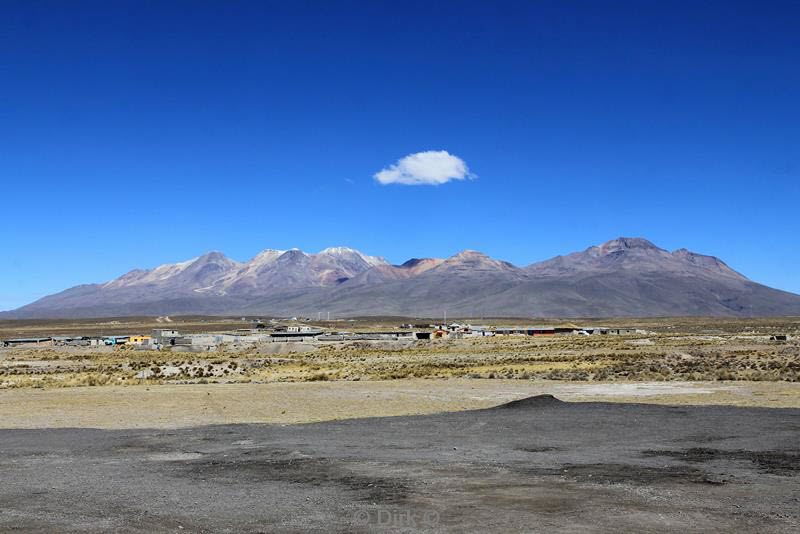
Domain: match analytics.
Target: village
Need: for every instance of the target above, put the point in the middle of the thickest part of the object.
(273, 332)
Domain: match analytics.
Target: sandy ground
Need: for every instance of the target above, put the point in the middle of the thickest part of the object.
(170, 406)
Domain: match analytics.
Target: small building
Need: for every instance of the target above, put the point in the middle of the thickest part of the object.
(295, 336)
(540, 331)
(604, 331)
(331, 337)
(138, 340)
(504, 331)
(75, 341)
(386, 334)
(116, 340)
(27, 341)
(300, 328)
(208, 339)
(480, 332)
(164, 336)
(621, 331)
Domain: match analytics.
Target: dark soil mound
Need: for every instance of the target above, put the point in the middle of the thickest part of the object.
(537, 401)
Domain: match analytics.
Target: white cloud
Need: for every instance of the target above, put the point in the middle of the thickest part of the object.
(433, 167)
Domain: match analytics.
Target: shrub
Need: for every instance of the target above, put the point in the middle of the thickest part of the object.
(318, 377)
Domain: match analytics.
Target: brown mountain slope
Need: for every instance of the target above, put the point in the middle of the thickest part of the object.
(622, 277)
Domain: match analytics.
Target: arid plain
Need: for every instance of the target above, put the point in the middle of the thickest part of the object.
(673, 428)
(674, 361)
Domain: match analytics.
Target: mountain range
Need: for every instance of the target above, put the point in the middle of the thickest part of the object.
(623, 277)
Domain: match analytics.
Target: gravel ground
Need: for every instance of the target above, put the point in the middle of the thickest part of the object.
(538, 465)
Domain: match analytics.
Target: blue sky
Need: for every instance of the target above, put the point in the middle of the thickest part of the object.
(139, 133)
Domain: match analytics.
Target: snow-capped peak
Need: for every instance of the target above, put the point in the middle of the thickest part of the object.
(266, 256)
(339, 250)
(347, 251)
